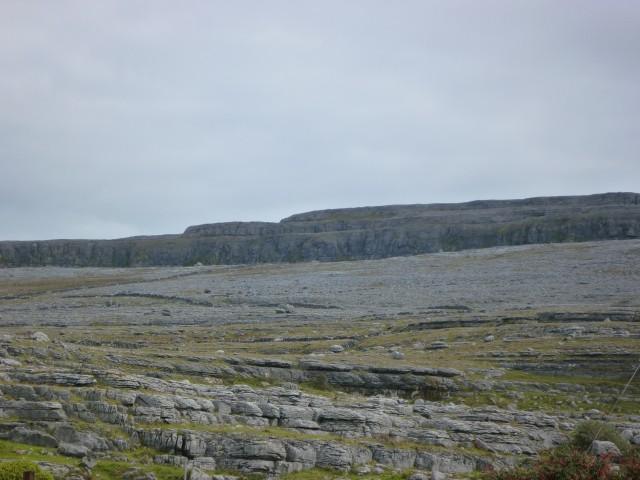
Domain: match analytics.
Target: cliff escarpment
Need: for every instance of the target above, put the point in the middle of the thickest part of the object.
(353, 234)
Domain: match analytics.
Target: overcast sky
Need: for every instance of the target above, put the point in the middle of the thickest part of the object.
(140, 117)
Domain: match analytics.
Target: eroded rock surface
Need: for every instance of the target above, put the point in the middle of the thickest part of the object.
(354, 233)
(447, 363)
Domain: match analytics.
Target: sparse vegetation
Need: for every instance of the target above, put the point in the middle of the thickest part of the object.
(232, 367)
(111, 470)
(587, 432)
(15, 469)
(29, 453)
(571, 463)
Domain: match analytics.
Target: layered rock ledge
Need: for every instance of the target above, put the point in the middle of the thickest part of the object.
(354, 233)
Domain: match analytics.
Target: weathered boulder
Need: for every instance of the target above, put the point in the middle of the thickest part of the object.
(138, 474)
(285, 308)
(196, 474)
(396, 458)
(603, 447)
(301, 452)
(250, 409)
(32, 437)
(42, 411)
(39, 337)
(73, 450)
(255, 449)
(67, 434)
(9, 362)
(334, 455)
(419, 476)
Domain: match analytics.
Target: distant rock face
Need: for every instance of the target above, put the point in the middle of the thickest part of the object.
(354, 233)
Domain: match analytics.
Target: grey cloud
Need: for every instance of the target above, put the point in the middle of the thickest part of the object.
(121, 117)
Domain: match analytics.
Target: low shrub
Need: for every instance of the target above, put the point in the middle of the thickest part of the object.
(586, 432)
(630, 466)
(571, 463)
(16, 469)
(565, 463)
(319, 382)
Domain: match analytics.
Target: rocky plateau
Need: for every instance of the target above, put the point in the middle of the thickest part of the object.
(354, 234)
(429, 366)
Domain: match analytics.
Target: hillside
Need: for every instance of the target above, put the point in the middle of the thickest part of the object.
(409, 368)
(354, 233)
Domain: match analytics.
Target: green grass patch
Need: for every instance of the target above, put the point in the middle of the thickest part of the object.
(20, 451)
(15, 470)
(112, 470)
(519, 375)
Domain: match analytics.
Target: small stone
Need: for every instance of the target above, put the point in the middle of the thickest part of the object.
(621, 333)
(396, 355)
(489, 338)
(285, 308)
(439, 345)
(602, 448)
(419, 476)
(336, 348)
(627, 434)
(198, 474)
(9, 362)
(40, 337)
(137, 474)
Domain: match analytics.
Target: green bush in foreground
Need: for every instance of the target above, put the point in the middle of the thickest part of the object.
(15, 470)
(586, 432)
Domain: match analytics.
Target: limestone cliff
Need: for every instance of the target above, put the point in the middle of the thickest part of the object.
(354, 233)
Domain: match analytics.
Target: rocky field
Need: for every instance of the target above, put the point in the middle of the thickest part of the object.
(430, 366)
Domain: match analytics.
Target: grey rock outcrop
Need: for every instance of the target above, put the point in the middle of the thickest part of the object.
(73, 450)
(354, 233)
(335, 433)
(32, 437)
(37, 411)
